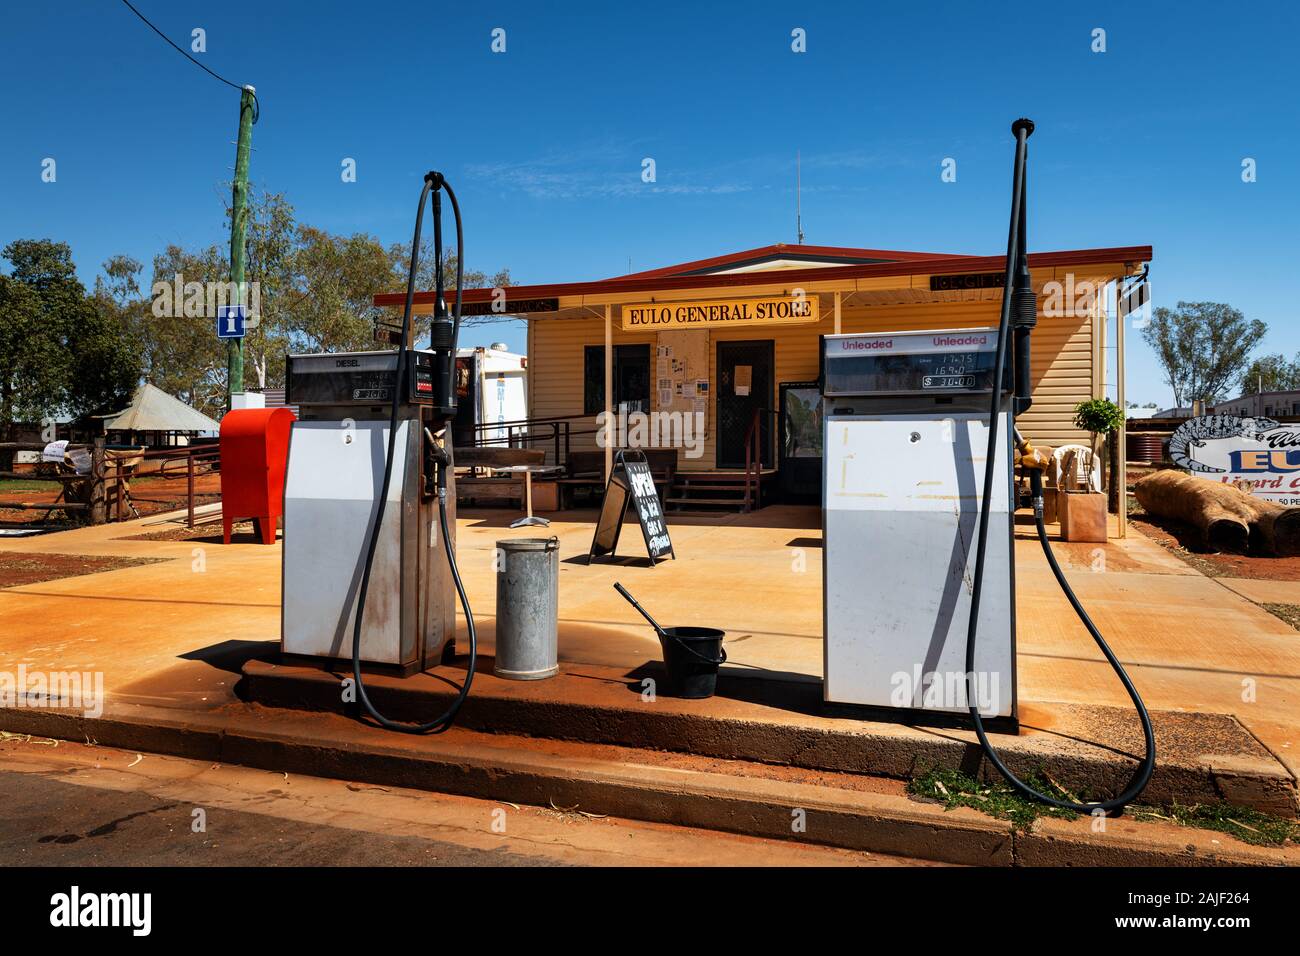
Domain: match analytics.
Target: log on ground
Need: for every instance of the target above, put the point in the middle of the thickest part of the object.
(1228, 518)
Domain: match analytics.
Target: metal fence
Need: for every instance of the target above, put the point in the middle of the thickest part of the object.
(103, 494)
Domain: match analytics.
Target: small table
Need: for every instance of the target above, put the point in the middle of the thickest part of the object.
(529, 519)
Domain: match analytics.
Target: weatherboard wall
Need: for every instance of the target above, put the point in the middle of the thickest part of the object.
(1064, 368)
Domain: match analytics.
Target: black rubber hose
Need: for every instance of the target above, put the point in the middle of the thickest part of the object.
(444, 720)
(1142, 775)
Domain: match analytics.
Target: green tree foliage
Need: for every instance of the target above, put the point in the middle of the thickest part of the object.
(1271, 373)
(335, 281)
(1098, 416)
(62, 351)
(181, 353)
(1204, 348)
(270, 262)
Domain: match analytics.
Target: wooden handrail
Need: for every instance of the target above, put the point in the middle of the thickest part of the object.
(753, 450)
(556, 429)
(754, 458)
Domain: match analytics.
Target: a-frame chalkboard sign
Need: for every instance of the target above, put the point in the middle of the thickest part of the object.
(630, 480)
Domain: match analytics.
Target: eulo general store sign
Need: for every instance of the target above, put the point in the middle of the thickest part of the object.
(1258, 454)
(711, 313)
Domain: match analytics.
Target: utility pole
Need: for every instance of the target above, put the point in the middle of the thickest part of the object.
(238, 237)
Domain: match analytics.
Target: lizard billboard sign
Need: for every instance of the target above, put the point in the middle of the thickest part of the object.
(1258, 454)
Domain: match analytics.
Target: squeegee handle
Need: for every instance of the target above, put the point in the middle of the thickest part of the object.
(632, 601)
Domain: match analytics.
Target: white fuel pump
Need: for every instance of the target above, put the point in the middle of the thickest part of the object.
(905, 431)
(919, 509)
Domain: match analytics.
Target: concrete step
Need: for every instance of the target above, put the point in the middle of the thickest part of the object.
(709, 485)
(843, 810)
(716, 502)
(784, 722)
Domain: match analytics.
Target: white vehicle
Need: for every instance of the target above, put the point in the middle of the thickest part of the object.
(491, 389)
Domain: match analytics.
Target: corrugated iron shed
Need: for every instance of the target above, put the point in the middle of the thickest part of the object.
(153, 410)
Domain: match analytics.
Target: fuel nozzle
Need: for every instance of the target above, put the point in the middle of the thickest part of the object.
(437, 463)
(1032, 462)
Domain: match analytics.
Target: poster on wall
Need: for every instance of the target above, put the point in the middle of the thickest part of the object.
(1259, 455)
(682, 369)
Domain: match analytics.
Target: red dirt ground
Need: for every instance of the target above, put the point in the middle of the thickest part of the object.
(208, 533)
(18, 568)
(1183, 540)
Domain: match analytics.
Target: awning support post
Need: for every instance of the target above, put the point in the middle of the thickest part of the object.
(609, 391)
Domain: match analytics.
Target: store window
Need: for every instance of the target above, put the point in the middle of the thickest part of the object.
(631, 378)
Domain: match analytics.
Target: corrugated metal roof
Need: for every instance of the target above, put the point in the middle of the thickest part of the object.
(153, 410)
(274, 398)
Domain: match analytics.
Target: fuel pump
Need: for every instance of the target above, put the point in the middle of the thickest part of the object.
(349, 461)
(920, 448)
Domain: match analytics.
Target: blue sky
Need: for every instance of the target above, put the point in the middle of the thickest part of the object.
(544, 143)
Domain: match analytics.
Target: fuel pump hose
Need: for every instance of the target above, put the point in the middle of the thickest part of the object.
(1017, 289)
(433, 181)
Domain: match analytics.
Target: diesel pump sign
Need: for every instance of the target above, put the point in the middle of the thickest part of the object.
(711, 313)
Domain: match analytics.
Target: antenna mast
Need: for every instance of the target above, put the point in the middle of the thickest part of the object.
(798, 208)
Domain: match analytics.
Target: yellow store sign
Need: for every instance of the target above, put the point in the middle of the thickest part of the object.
(711, 313)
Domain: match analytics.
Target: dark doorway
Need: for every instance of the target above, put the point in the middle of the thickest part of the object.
(738, 362)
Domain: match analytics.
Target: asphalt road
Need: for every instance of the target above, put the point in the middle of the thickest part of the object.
(52, 823)
(80, 805)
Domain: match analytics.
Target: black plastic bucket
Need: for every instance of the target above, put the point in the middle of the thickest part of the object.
(691, 657)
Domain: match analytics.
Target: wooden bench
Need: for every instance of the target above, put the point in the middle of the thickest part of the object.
(586, 470)
(507, 487)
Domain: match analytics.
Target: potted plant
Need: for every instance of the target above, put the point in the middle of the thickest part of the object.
(1083, 515)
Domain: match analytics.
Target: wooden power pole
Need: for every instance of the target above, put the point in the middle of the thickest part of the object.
(238, 238)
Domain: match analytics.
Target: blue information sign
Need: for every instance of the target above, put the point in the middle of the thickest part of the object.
(230, 321)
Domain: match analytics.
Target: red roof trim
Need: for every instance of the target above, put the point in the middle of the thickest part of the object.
(787, 277)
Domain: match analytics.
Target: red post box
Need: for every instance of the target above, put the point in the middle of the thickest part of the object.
(254, 452)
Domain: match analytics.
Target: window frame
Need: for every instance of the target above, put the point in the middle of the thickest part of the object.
(593, 387)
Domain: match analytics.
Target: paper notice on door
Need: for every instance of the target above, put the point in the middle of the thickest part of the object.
(744, 379)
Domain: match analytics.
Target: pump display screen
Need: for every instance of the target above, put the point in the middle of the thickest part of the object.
(360, 378)
(911, 363)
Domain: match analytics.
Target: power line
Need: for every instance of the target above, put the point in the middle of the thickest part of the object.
(257, 106)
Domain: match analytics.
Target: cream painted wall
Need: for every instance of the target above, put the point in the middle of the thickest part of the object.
(1063, 369)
